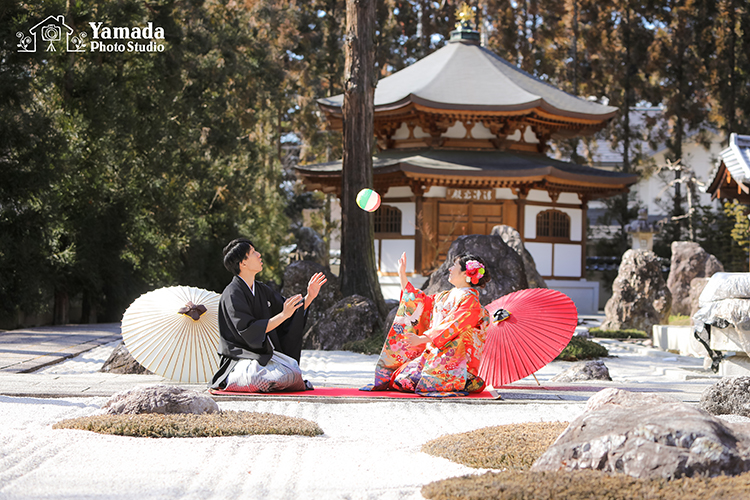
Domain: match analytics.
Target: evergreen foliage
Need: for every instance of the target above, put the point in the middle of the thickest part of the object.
(124, 172)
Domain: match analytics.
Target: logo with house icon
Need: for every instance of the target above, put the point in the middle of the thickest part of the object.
(51, 35)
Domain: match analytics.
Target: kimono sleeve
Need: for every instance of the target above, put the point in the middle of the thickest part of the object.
(463, 317)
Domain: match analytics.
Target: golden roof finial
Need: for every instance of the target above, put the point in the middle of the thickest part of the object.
(465, 14)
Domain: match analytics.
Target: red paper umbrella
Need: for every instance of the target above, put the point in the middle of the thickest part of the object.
(528, 329)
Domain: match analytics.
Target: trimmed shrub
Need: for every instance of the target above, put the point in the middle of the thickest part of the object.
(618, 334)
(580, 348)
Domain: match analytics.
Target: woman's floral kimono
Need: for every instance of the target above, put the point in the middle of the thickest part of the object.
(443, 361)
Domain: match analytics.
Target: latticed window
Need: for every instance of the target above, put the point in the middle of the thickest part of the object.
(388, 220)
(553, 223)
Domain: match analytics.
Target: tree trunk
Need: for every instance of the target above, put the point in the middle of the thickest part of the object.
(358, 269)
(61, 310)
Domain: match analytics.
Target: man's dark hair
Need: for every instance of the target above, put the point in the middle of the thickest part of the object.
(235, 252)
(463, 259)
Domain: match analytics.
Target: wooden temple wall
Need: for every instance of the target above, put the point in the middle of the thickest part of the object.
(425, 227)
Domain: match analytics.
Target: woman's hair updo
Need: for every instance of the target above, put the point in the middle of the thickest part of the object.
(476, 270)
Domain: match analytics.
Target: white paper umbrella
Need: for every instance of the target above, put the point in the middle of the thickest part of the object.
(174, 332)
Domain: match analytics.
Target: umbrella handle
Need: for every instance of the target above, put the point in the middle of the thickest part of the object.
(537, 380)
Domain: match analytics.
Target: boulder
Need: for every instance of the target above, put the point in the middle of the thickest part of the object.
(504, 264)
(582, 371)
(728, 396)
(160, 399)
(310, 246)
(512, 238)
(298, 274)
(351, 318)
(689, 261)
(122, 362)
(647, 436)
(640, 297)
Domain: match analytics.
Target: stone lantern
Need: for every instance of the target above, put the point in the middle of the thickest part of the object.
(642, 231)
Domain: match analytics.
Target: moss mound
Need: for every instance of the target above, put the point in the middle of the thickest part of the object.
(679, 320)
(512, 447)
(370, 345)
(580, 348)
(618, 334)
(226, 423)
(584, 485)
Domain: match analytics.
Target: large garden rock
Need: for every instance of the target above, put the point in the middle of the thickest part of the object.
(582, 371)
(122, 362)
(689, 261)
(311, 246)
(696, 288)
(512, 238)
(729, 396)
(296, 277)
(504, 264)
(640, 297)
(352, 318)
(160, 399)
(647, 436)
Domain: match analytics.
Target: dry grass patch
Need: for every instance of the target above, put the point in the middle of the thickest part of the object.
(225, 423)
(512, 447)
(584, 485)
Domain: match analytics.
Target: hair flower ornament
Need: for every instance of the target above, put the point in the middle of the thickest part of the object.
(474, 271)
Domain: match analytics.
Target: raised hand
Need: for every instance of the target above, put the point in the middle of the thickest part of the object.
(313, 287)
(402, 271)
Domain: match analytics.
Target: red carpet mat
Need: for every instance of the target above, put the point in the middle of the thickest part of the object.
(349, 392)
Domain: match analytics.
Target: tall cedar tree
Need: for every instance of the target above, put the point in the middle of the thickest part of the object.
(730, 67)
(680, 77)
(358, 268)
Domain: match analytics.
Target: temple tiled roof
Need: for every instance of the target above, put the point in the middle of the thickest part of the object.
(465, 76)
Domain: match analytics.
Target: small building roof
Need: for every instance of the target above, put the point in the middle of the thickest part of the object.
(731, 177)
(467, 77)
(475, 169)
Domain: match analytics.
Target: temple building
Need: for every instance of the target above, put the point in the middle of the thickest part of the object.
(461, 138)
(730, 179)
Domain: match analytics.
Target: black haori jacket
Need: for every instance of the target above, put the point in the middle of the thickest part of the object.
(243, 318)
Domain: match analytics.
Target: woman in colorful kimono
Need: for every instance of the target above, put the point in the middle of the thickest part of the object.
(435, 344)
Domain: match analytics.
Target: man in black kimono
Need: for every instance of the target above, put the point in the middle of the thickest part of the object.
(254, 320)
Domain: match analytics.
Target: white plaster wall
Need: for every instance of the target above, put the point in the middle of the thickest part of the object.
(528, 135)
(539, 195)
(391, 252)
(398, 192)
(419, 133)
(436, 192)
(542, 253)
(408, 217)
(402, 132)
(567, 260)
(504, 194)
(481, 132)
(576, 221)
(569, 198)
(391, 285)
(457, 131)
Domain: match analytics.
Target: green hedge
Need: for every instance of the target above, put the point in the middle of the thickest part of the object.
(618, 334)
